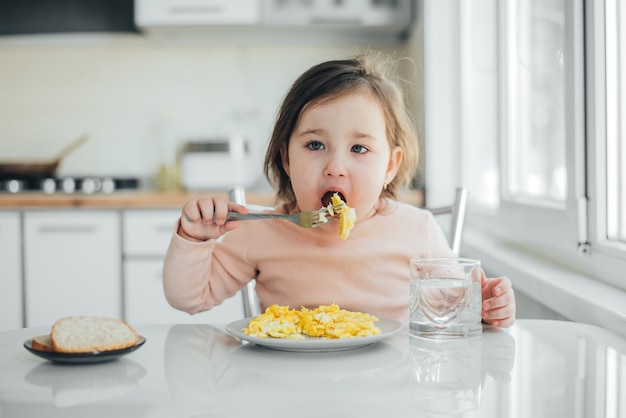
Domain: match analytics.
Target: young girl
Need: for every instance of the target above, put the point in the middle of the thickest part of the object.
(342, 128)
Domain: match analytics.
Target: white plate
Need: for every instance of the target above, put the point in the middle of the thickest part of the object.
(388, 327)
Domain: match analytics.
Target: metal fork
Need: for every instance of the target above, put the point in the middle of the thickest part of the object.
(308, 219)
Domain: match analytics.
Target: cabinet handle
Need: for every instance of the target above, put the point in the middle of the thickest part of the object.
(165, 228)
(74, 229)
(215, 9)
(339, 21)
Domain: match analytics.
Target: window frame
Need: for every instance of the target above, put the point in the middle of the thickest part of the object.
(579, 227)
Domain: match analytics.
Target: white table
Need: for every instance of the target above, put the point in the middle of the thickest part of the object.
(535, 369)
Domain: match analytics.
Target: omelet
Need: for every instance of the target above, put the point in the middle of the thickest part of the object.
(347, 215)
(326, 321)
(277, 321)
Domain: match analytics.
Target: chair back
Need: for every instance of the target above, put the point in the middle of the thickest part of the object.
(251, 303)
(457, 218)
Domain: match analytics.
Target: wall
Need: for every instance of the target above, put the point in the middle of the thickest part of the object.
(442, 114)
(127, 92)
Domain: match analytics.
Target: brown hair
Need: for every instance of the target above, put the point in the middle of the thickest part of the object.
(367, 72)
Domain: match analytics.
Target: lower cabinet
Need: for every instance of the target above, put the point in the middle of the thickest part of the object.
(146, 303)
(91, 262)
(11, 309)
(72, 264)
(147, 234)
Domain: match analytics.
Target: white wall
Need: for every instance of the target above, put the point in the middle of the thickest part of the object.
(441, 83)
(118, 89)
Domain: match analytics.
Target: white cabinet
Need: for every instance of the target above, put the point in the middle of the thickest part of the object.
(147, 234)
(276, 20)
(196, 12)
(11, 315)
(372, 13)
(72, 264)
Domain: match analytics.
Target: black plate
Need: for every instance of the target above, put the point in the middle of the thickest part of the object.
(83, 358)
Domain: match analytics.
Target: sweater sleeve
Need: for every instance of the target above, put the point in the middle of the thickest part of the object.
(195, 279)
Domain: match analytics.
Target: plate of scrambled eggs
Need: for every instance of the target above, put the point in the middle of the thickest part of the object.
(326, 328)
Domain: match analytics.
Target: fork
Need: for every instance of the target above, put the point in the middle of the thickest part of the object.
(307, 219)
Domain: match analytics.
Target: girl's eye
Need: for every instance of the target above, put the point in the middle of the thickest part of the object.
(359, 149)
(315, 145)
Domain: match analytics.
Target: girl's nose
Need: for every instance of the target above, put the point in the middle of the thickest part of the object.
(335, 165)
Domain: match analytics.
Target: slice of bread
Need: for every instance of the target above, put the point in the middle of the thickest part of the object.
(42, 343)
(85, 334)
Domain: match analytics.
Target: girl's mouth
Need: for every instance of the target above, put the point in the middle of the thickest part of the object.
(326, 199)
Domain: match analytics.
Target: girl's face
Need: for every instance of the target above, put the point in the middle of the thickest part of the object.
(341, 146)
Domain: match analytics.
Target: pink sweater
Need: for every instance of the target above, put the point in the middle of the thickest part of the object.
(294, 266)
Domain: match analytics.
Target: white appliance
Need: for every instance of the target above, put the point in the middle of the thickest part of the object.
(217, 164)
(155, 13)
(270, 19)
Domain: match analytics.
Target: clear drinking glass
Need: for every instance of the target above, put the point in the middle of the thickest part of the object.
(445, 297)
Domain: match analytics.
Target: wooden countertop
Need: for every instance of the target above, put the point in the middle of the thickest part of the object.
(135, 199)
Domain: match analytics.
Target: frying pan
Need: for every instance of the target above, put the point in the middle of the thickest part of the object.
(38, 169)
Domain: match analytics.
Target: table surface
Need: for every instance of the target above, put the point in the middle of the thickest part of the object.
(535, 369)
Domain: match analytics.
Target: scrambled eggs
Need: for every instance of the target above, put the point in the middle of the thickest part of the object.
(325, 321)
(347, 215)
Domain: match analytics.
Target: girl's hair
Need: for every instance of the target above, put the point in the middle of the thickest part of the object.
(370, 72)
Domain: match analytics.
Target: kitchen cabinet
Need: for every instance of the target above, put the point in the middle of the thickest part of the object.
(11, 309)
(147, 234)
(65, 16)
(346, 12)
(196, 12)
(72, 264)
(272, 20)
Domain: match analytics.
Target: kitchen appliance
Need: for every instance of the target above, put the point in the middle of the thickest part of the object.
(272, 17)
(17, 169)
(29, 177)
(217, 164)
(35, 183)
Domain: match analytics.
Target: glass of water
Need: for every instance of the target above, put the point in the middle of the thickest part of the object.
(445, 297)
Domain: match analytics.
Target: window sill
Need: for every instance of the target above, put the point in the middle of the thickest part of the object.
(569, 293)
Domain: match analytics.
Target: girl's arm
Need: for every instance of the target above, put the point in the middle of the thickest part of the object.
(192, 280)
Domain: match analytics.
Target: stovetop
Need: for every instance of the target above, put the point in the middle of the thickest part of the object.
(67, 184)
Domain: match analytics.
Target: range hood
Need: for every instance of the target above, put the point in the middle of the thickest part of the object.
(274, 19)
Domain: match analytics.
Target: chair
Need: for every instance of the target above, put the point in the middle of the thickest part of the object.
(251, 304)
(457, 218)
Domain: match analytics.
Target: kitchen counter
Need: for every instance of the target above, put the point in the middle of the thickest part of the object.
(126, 199)
(139, 199)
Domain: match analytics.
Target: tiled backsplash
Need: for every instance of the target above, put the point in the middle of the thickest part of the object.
(128, 93)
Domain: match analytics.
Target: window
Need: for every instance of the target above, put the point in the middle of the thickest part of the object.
(615, 23)
(534, 83)
(544, 131)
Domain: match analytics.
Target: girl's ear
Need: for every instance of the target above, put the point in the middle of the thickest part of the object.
(284, 156)
(395, 158)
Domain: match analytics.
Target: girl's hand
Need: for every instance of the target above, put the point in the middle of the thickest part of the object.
(498, 301)
(196, 221)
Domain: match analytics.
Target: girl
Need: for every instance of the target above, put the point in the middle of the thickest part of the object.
(342, 128)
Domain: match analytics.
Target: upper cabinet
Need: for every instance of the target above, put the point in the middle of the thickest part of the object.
(270, 19)
(372, 13)
(216, 20)
(27, 17)
(150, 13)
